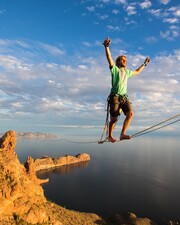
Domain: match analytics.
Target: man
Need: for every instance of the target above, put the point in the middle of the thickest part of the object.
(118, 98)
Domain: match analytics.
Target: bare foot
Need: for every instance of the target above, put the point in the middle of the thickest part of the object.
(124, 137)
(111, 139)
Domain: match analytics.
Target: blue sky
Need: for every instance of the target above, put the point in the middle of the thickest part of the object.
(53, 70)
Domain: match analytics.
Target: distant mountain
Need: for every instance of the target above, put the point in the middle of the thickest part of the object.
(32, 135)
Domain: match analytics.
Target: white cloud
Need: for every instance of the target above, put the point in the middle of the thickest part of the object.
(146, 4)
(121, 2)
(177, 13)
(118, 41)
(170, 34)
(103, 17)
(11, 63)
(83, 67)
(91, 8)
(156, 12)
(113, 28)
(131, 10)
(52, 49)
(165, 2)
(115, 11)
(175, 10)
(169, 15)
(87, 44)
(64, 93)
(151, 40)
(170, 20)
(173, 81)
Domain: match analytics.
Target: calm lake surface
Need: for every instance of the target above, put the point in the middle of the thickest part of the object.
(141, 175)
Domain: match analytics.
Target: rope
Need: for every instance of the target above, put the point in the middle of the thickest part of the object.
(145, 131)
(77, 142)
(149, 128)
(142, 133)
(106, 127)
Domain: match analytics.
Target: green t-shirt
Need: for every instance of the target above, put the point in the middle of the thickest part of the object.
(119, 80)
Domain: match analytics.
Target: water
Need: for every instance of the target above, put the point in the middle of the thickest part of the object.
(140, 176)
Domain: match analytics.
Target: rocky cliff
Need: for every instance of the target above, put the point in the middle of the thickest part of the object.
(22, 199)
(47, 162)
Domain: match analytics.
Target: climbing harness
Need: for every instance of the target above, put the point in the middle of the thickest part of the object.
(116, 99)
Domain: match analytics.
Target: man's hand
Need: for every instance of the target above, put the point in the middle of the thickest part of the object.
(106, 42)
(147, 60)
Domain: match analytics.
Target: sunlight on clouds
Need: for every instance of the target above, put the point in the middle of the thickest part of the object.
(49, 104)
(23, 68)
(81, 88)
(173, 81)
(52, 65)
(60, 74)
(17, 105)
(177, 13)
(82, 67)
(10, 62)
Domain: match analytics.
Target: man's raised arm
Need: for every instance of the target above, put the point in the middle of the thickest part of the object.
(138, 70)
(106, 44)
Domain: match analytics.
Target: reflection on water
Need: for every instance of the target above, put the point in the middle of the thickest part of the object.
(61, 170)
(141, 176)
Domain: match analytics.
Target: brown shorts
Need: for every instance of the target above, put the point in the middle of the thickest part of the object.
(117, 103)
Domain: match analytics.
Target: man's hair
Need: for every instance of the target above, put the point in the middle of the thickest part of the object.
(117, 60)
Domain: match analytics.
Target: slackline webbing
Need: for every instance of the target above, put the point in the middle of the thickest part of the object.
(142, 132)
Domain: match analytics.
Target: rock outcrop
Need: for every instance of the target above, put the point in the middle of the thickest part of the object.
(22, 199)
(33, 165)
(48, 162)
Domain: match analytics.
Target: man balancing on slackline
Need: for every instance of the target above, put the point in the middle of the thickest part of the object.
(118, 98)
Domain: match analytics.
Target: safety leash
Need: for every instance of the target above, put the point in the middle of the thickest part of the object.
(106, 126)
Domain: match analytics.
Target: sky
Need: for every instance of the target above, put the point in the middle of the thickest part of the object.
(54, 74)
